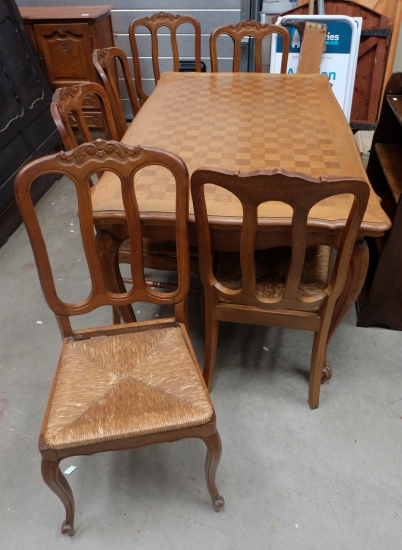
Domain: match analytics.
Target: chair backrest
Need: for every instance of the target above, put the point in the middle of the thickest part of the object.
(67, 109)
(153, 23)
(301, 193)
(105, 64)
(254, 29)
(80, 165)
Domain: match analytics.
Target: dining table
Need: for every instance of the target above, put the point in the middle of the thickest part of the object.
(246, 122)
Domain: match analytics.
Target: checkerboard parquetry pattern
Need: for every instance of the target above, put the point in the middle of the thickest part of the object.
(241, 122)
(249, 127)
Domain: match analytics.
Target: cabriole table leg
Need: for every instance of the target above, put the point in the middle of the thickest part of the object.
(356, 276)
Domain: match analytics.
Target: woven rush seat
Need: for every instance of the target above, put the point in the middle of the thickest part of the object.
(113, 387)
(271, 266)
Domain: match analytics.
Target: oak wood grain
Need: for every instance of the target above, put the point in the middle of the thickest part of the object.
(243, 121)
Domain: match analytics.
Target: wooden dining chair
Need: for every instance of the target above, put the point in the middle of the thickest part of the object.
(105, 63)
(71, 119)
(263, 284)
(256, 30)
(123, 386)
(67, 110)
(153, 24)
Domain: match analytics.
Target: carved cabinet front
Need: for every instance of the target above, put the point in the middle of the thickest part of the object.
(64, 52)
(64, 38)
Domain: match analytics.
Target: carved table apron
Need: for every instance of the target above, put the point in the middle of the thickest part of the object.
(244, 121)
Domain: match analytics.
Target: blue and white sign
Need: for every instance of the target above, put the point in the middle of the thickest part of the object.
(339, 59)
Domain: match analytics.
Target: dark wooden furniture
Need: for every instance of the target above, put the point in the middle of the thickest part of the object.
(123, 386)
(380, 302)
(26, 127)
(105, 62)
(291, 287)
(371, 63)
(64, 37)
(247, 122)
(251, 28)
(153, 24)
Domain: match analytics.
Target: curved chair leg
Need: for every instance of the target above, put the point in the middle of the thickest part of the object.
(55, 480)
(214, 452)
(356, 276)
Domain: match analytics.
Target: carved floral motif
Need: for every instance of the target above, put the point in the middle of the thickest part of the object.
(163, 16)
(64, 45)
(248, 24)
(94, 120)
(99, 149)
(102, 56)
(68, 91)
(62, 30)
(90, 100)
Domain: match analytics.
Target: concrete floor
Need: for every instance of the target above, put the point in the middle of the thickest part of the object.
(292, 478)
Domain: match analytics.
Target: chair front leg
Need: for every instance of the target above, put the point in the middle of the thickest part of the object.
(55, 480)
(214, 452)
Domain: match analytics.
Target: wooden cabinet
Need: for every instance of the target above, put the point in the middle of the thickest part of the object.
(381, 298)
(64, 38)
(27, 130)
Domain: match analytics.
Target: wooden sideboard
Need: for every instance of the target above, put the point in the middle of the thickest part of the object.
(64, 38)
(381, 297)
(27, 130)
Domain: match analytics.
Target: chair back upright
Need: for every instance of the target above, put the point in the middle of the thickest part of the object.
(80, 165)
(301, 193)
(253, 29)
(153, 24)
(105, 64)
(67, 110)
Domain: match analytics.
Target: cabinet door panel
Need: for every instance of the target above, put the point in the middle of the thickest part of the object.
(66, 51)
(9, 98)
(22, 93)
(18, 66)
(12, 157)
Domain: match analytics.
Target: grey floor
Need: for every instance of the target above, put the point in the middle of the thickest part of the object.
(292, 478)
